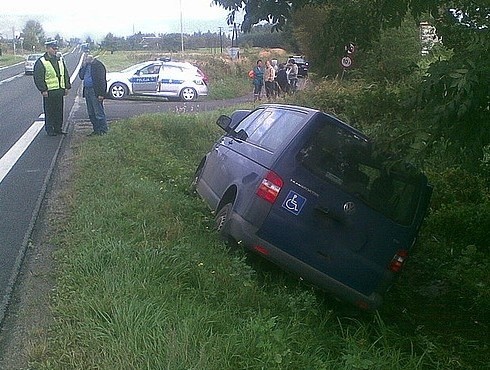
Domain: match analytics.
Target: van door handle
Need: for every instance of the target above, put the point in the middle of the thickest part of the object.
(326, 212)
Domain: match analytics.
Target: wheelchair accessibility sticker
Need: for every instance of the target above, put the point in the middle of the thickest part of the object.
(294, 202)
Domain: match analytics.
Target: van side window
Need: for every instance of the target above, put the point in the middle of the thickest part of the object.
(268, 128)
(275, 128)
(249, 123)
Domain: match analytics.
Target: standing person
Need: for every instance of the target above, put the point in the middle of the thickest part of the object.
(282, 79)
(93, 75)
(52, 79)
(293, 74)
(269, 78)
(258, 80)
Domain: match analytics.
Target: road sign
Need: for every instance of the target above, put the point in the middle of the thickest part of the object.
(346, 62)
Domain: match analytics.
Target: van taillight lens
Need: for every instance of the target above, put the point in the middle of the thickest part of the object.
(270, 187)
(262, 250)
(398, 260)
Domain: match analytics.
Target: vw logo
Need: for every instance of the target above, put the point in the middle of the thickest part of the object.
(349, 208)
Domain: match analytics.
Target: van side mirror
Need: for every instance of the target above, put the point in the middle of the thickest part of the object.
(224, 122)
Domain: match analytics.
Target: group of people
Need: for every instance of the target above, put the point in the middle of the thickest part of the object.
(278, 79)
(52, 79)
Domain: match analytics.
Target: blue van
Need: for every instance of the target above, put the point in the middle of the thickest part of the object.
(312, 194)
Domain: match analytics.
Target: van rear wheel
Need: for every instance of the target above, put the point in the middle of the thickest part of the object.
(222, 221)
(223, 218)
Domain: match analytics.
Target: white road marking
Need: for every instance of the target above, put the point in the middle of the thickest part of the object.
(11, 78)
(14, 153)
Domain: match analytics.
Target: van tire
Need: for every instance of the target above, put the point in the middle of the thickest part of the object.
(197, 175)
(222, 221)
(223, 218)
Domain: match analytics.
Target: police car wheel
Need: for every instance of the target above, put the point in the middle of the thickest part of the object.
(118, 91)
(188, 94)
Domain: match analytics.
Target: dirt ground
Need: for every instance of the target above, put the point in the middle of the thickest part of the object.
(24, 331)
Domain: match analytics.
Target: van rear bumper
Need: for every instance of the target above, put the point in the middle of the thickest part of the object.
(245, 232)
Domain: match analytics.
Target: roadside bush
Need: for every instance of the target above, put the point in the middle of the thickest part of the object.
(382, 111)
(462, 225)
(331, 96)
(457, 186)
(454, 245)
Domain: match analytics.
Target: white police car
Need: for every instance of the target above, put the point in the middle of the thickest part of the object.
(29, 63)
(170, 79)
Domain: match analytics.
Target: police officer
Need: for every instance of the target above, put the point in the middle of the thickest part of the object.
(53, 81)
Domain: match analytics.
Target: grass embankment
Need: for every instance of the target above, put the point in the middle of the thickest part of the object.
(9, 59)
(145, 282)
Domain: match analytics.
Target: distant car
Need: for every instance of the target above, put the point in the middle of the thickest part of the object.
(313, 195)
(302, 64)
(170, 79)
(29, 63)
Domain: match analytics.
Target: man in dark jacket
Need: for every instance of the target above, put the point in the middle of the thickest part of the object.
(52, 79)
(93, 74)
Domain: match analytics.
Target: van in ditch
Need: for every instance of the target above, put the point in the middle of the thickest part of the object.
(311, 194)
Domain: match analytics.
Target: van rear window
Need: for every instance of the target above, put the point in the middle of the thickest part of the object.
(340, 156)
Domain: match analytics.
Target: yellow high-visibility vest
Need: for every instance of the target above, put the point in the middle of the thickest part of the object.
(52, 80)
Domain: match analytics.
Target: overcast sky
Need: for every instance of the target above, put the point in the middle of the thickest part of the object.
(96, 18)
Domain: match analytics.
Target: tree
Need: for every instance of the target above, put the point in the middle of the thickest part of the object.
(455, 94)
(33, 35)
(261, 36)
(112, 43)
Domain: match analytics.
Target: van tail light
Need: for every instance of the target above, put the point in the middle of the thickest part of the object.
(270, 187)
(260, 249)
(398, 260)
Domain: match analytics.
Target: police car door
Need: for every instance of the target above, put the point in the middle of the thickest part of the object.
(145, 80)
(170, 79)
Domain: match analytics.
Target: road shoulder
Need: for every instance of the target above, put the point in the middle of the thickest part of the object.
(24, 332)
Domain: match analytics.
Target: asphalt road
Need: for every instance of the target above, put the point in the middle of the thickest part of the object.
(28, 156)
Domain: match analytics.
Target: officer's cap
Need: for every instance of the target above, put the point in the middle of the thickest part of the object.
(51, 43)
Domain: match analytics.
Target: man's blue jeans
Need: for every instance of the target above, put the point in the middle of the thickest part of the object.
(95, 109)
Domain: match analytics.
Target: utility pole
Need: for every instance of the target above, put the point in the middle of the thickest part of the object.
(221, 39)
(13, 38)
(181, 31)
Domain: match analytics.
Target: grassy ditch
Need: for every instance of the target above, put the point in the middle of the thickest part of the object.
(145, 283)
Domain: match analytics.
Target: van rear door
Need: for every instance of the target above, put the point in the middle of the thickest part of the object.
(341, 210)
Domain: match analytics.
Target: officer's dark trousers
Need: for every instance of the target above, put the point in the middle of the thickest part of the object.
(53, 111)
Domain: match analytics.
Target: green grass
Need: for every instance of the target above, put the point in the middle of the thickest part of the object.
(145, 283)
(9, 59)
